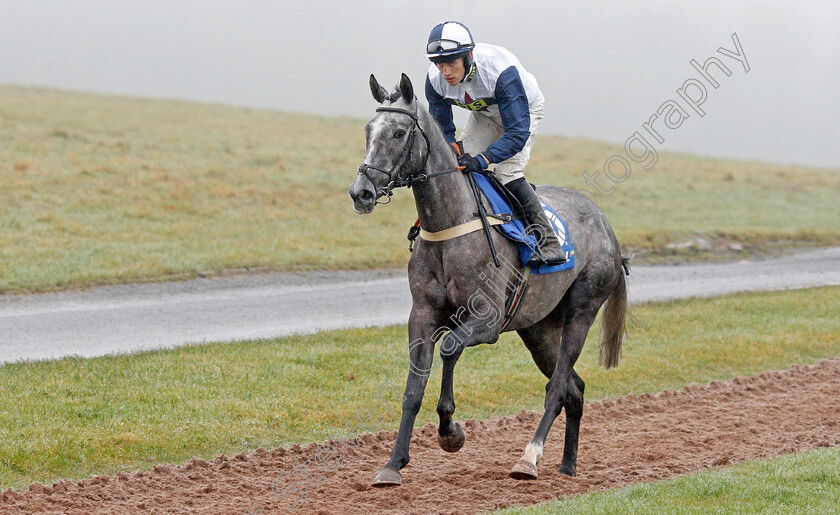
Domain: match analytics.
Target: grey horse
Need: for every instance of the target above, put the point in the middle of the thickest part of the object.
(459, 294)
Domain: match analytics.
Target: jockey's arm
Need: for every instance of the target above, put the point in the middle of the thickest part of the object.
(516, 118)
(441, 112)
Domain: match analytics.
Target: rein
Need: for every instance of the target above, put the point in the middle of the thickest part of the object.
(395, 178)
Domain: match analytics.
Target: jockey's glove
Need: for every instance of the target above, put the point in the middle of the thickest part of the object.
(473, 164)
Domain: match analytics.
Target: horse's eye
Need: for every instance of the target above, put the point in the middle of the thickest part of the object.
(399, 134)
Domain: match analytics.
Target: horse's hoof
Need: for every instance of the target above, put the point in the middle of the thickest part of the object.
(453, 442)
(568, 470)
(387, 477)
(523, 470)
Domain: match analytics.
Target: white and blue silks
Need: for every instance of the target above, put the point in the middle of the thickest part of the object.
(497, 86)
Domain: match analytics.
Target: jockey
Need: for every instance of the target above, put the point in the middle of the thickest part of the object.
(506, 107)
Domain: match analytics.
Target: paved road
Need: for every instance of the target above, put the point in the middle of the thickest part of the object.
(136, 317)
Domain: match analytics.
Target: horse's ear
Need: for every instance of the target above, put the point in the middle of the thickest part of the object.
(406, 89)
(379, 93)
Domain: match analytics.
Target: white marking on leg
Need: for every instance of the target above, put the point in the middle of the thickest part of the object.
(533, 453)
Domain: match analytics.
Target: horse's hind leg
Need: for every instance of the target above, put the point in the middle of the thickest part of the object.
(526, 467)
(578, 309)
(543, 340)
(574, 412)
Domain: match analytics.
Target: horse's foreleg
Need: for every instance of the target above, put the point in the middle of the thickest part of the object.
(474, 331)
(420, 357)
(451, 436)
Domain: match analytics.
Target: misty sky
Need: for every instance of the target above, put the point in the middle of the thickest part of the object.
(604, 67)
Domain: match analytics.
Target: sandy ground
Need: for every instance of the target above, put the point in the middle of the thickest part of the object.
(623, 441)
(135, 317)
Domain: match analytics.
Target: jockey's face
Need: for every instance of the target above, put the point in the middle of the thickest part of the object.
(453, 72)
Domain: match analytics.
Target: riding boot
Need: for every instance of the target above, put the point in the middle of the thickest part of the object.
(549, 251)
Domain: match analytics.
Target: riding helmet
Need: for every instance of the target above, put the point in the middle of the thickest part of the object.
(448, 41)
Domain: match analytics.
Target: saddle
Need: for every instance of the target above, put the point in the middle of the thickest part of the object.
(502, 203)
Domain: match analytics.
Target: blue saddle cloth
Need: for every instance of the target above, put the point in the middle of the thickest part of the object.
(515, 229)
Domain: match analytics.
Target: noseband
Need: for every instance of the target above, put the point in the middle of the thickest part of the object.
(395, 177)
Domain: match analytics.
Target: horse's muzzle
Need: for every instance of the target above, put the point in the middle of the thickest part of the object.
(364, 198)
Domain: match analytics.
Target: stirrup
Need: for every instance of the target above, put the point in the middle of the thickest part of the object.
(538, 262)
(538, 259)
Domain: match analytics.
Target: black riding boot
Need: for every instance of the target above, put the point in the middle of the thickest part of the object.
(549, 251)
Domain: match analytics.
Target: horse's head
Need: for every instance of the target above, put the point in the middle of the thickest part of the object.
(393, 152)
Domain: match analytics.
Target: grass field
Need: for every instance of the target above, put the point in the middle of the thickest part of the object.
(76, 417)
(104, 189)
(806, 483)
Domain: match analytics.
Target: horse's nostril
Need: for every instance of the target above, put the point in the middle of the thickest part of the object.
(366, 196)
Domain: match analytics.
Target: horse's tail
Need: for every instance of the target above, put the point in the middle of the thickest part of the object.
(613, 319)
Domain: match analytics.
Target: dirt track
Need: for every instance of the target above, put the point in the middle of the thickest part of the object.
(623, 441)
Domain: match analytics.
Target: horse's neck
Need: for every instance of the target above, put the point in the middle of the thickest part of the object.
(443, 201)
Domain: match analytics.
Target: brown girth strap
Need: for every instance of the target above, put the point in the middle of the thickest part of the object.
(514, 301)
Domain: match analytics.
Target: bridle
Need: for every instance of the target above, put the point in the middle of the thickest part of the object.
(395, 177)
(397, 180)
